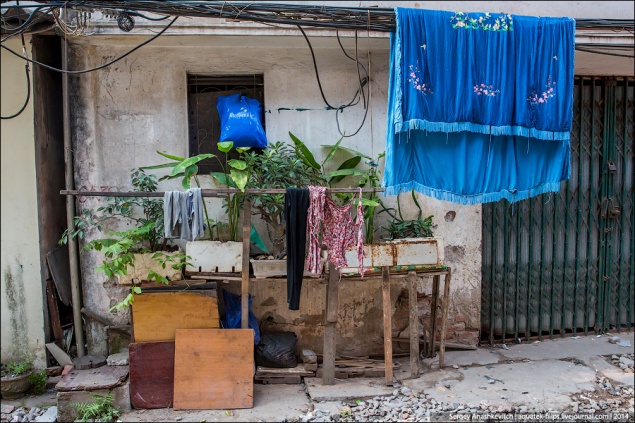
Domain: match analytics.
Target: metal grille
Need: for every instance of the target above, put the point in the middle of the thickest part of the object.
(563, 263)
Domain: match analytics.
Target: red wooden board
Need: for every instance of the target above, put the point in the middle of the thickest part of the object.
(152, 374)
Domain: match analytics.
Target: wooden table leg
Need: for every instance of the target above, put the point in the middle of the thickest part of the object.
(330, 324)
(414, 325)
(244, 289)
(444, 317)
(433, 315)
(385, 272)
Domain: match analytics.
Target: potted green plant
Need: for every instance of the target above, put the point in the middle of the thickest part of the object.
(213, 254)
(278, 166)
(15, 379)
(405, 243)
(145, 245)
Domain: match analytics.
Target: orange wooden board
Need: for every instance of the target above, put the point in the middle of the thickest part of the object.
(157, 315)
(214, 369)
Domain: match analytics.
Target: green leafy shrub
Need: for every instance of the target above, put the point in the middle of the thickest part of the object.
(38, 382)
(278, 166)
(398, 228)
(101, 409)
(144, 213)
(17, 368)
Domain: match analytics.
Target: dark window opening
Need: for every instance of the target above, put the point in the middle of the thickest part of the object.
(203, 119)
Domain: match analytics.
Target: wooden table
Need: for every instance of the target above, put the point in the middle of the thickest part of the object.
(330, 320)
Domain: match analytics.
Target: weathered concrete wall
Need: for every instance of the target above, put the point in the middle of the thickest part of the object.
(122, 114)
(21, 287)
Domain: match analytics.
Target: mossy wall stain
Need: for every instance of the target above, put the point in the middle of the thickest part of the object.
(14, 296)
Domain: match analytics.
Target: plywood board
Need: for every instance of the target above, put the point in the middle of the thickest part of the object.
(152, 374)
(157, 315)
(300, 370)
(214, 369)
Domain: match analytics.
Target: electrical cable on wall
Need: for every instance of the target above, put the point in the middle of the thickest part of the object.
(28, 82)
(358, 94)
(154, 37)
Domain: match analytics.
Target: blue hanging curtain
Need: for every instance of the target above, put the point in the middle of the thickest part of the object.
(479, 106)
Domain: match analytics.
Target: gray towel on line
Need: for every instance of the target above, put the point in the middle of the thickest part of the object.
(195, 199)
(183, 214)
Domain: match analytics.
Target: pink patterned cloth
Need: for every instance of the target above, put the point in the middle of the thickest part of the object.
(340, 231)
(315, 216)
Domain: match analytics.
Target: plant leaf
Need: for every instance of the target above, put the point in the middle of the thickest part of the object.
(348, 164)
(225, 146)
(332, 152)
(345, 172)
(185, 182)
(189, 162)
(237, 164)
(224, 179)
(240, 178)
(242, 149)
(171, 157)
(161, 166)
(414, 198)
(371, 203)
(350, 150)
(304, 153)
(178, 175)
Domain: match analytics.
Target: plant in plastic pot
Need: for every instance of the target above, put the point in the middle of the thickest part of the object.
(141, 253)
(277, 167)
(15, 380)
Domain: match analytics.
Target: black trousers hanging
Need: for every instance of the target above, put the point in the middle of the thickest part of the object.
(296, 206)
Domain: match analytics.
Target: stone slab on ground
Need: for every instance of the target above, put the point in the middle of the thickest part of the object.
(559, 348)
(479, 357)
(606, 369)
(7, 408)
(66, 411)
(49, 416)
(104, 377)
(347, 389)
(44, 400)
(119, 359)
(546, 382)
(272, 403)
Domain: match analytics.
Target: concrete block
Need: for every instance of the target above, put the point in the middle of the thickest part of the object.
(119, 359)
(52, 381)
(49, 415)
(66, 401)
(119, 337)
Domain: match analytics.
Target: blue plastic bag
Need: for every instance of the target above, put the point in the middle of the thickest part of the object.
(240, 121)
(233, 314)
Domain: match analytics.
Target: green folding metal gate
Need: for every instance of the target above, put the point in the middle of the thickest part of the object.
(564, 263)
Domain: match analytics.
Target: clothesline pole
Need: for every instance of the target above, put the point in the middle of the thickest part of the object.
(216, 192)
(244, 316)
(330, 325)
(385, 272)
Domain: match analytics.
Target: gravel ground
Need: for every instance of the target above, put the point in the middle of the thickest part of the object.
(623, 361)
(406, 405)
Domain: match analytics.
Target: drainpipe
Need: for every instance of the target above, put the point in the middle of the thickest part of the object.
(70, 209)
